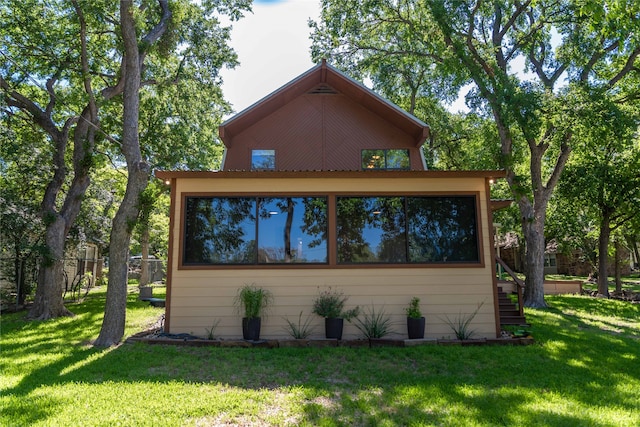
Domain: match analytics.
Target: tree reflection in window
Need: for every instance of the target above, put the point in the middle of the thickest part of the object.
(385, 159)
(292, 230)
(220, 230)
(406, 229)
(223, 230)
(371, 229)
(442, 229)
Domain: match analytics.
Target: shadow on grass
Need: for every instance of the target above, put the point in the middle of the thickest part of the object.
(574, 367)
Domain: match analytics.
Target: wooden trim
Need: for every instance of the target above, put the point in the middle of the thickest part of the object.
(331, 232)
(172, 206)
(365, 174)
(494, 277)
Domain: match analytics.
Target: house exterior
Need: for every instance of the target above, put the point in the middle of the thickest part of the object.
(323, 185)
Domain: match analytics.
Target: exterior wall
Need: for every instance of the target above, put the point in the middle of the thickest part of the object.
(198, 298)
(319, 132)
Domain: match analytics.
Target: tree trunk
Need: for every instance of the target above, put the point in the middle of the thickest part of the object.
(603, 250)
(139, 171)
(20, 262)
(144, 262)
(48, 301)
(533, 229)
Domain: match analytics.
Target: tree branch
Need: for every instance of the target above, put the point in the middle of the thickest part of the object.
(584, 75)
(630, 65)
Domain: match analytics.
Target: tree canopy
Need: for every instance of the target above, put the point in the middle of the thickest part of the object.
(63, 75)
(522, 60)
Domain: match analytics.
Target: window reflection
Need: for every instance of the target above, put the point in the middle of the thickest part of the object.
(371, 229)
(220, 230)
(442, 229)
(385, 159)
(223, 230)
(263, 159)
(407, 229)
(292, 229)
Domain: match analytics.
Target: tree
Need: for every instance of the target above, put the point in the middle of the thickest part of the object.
(603, 176)
(20, 224)
(39, 84)
(490, 44)
(158, 24)
(64, 66)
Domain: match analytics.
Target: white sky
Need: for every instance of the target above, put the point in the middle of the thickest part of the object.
(273, 47)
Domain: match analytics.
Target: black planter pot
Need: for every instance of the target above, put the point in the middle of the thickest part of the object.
(333, 327)
(415, 328)
(251, 328)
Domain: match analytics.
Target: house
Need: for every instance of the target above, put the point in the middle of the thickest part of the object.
(323, 184)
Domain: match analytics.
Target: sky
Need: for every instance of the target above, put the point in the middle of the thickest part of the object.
(273, 48)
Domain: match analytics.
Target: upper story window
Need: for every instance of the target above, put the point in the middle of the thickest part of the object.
(263, 159)
(385, 159)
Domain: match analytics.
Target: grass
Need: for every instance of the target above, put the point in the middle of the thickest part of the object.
(584, 370)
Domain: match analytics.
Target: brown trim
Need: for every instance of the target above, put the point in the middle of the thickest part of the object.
(367, 174)
(494, 277)
(500, 204)
(331, 232)
(172, 206)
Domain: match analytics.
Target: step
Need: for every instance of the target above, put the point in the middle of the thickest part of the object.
(513, 320)
(509, 313)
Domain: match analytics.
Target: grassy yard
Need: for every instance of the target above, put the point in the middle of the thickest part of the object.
(584, 370)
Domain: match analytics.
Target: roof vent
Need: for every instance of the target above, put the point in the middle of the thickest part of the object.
(323, 89)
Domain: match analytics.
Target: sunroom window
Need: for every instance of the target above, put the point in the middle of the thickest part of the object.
(253, 230)
(407, 230)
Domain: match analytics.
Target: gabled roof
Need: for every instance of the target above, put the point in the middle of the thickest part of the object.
(324, 78)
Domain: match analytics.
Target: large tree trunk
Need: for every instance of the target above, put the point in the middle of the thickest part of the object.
(603, 250)
(533, 228)
(114, 319)
(139, 171)
(48, 301)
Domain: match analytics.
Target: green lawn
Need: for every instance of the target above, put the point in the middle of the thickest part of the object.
(584, 370)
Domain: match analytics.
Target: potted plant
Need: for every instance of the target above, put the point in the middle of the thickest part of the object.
(252, 302)
(330, 305)
(415, 320)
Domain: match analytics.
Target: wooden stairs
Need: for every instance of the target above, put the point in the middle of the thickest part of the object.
(510, 314)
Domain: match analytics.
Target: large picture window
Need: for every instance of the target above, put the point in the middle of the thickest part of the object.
(407, 230)
(251, 230)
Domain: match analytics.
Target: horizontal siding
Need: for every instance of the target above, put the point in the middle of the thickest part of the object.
(201, 298)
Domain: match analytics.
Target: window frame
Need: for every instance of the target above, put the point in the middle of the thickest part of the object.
(385, 154)
(407, 232)
(195, 265)
(331, 241)
(272, 152)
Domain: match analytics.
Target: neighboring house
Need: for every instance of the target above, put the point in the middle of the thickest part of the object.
(571, 263)
(323, 185)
